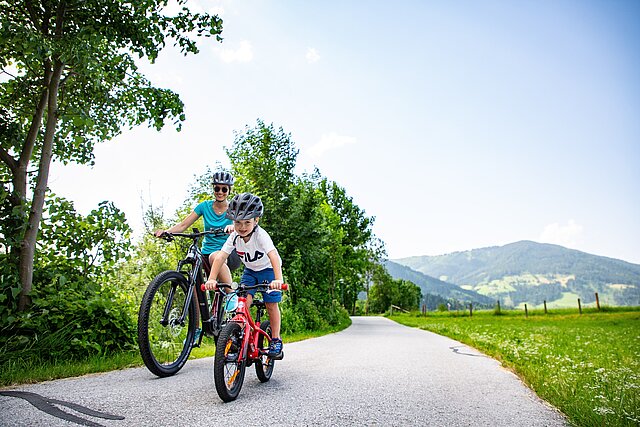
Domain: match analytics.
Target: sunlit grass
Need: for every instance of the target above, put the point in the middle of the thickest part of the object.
(588, 365)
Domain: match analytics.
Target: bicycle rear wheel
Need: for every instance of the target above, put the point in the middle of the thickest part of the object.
(264, 365)
(164, 341)
(228, 369)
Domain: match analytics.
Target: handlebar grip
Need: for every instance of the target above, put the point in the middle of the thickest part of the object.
(285, 287)
(202, 288)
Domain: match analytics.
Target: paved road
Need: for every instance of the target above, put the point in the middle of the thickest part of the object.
(374, 373)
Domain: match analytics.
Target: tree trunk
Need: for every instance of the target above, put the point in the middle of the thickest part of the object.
(28, 245)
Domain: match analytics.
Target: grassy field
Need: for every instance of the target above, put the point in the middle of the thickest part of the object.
(30, 368)
(588, 365)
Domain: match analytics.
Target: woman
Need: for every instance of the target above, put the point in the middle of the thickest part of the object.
(214, 216)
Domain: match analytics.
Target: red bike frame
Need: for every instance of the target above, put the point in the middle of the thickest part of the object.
(250, 350)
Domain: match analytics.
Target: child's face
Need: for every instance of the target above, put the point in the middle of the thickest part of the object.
(245, 226)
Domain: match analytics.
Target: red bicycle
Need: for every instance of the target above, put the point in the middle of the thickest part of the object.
(242, 342)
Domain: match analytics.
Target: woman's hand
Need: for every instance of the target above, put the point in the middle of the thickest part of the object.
(211, 284)
(276, 284)
(159, 233)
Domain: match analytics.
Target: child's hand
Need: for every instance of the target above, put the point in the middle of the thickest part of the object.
(276, 284)
(211, 284)
(229, 229)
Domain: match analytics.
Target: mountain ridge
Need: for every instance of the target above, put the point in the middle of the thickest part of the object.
(527, 271)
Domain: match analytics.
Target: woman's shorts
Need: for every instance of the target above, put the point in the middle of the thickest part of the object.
(251, 278)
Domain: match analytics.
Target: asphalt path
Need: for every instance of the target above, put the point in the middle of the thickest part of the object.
(374, 373)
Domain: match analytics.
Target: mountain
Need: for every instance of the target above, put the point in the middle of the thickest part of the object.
(530, 272)
(433, 286)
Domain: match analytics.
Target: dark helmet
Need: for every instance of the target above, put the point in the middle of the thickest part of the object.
(224, 178)
(245, 206)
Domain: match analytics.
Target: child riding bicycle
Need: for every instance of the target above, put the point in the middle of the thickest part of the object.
(260, 257)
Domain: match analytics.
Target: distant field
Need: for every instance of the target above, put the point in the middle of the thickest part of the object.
(588, 365)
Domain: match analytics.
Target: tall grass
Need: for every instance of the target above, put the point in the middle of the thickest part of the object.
(588, 365)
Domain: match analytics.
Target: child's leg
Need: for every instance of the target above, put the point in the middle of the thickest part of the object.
(274, 318)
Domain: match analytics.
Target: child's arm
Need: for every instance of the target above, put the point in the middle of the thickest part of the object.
(220, 259)
(277, 269)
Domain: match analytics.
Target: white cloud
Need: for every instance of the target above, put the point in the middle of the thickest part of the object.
(565, 235)
(330, 142)
(312, 55)
(244, 53)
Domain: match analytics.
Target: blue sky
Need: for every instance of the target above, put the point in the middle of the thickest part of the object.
(456, 124)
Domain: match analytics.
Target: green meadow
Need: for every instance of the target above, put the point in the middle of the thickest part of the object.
(586, 365)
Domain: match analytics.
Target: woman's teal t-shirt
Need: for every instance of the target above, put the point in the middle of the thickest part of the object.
(212, 220)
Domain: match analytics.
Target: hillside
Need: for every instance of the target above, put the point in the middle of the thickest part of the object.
(534, 272)
(431, 285)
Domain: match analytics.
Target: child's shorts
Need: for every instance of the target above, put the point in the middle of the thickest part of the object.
(251, 278)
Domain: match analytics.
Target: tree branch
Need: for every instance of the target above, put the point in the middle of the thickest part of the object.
(9, 160)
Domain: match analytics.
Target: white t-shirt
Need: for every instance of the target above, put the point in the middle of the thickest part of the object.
(254, 252)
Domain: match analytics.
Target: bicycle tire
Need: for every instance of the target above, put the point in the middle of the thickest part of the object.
(165, 348)
(265, 364)
(228, 371)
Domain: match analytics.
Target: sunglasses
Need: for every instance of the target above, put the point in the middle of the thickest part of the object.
(219, 189)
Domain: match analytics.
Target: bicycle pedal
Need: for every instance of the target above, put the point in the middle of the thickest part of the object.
(278, 356)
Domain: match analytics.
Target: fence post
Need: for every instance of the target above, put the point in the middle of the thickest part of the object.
(391, 310)
(526, 312)
(597, 301)
(579, 306)
(424, 309)
(545, 307)
(470, 310)
(498, 307)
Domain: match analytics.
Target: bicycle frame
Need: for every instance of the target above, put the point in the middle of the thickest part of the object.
(250, 350)
(195, 279)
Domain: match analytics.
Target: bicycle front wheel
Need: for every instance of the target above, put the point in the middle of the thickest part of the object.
(264, 365)
(165, 330)
(228, 363)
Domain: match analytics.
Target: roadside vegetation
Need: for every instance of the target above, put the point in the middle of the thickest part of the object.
(587, 365)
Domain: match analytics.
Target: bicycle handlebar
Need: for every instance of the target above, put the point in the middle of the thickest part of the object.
(285, 286)
(169, 236)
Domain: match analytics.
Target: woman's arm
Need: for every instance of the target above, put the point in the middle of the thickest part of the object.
(183, 225)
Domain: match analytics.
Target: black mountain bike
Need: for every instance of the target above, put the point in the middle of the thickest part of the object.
(173, 306)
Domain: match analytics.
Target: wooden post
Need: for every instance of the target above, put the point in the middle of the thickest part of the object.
(498, 306)
(545, 307)
(579, 306)
(470, 310)
(526, 312)
(597, 301)
(391, 310)
(424, 309)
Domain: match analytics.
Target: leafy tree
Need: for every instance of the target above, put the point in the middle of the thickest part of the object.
(76, 83)
(76, 310)
(387, 291)
(324, 238)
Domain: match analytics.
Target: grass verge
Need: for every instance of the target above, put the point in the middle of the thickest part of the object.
(588, 365)
(32, 368)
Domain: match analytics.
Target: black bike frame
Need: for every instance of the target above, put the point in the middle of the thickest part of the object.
(195, 279)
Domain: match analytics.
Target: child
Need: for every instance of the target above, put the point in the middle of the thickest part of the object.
(260, 257)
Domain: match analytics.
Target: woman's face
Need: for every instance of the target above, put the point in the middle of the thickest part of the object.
(221, 191)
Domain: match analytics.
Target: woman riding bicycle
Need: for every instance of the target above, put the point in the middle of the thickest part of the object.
(214, 213)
